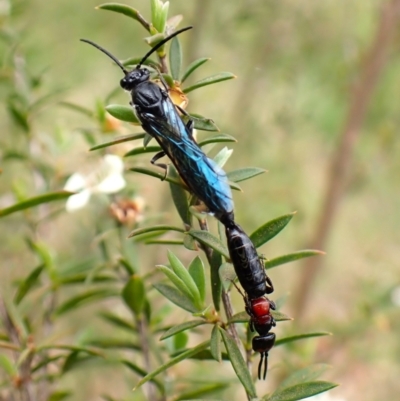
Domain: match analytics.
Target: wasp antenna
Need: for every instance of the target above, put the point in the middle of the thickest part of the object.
(116, 61)
(159, 44)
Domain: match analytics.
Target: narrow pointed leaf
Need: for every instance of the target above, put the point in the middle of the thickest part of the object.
(118, 321)
(26, 285)
(176, 297)
(85, 298)
(268, 231)
(123, 113)
(180, 198)
(245, 173)
(153, 173)
(59, 395)
(220, 138)
(206, 238)
(37, 200)
(291, 257)
(120, 139)
(134, 294)
(141, 151)
(141, 372)
(146, 140)
(238, 363)
(216, 286)
(184, 355)
(207, 389)
(8, 366)
(227, 274)
(190, 243)
(203, 124)
(196, 270)
(125, 10)
(175, 58)
(158, 228)
(215, 344)
(182, 327)
(164, 242)
(76, 107)
(223, 156)
(301, 391)
(307, 374)
(177, 281)
(181, 271)
(193, 67)
(222, 76)
(298, 337)
(279, 316)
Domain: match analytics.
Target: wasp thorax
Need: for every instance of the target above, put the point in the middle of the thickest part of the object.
(134, 78)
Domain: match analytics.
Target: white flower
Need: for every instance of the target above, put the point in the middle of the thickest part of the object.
(106, 178)
(395, 295)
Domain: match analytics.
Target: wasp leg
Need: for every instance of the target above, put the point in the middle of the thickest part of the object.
(157, 156)
(260, 365)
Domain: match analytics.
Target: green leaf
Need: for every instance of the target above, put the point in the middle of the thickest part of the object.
(177, 281)
(227, 274)
(291, 257)
(270, 229)
(127, 266)
(8, 366)
(120, 139)
(85, 298)
(26, 285)
(190, 243)
(146, 140)
(223, 156)
(196, 271)
(123, 113)
(37, 200)
(202, 123)
(298, 337)
(164, 242)
(279, 316)
(206, 238)
(152, 173)
(75, 359)
(238, 363)
(184, 355)
(182, 327)
(301, 391)
(76, 107)
(222, 76)
(59, 395)
(207, 389)
(109, 343)
(141, 372)
(245, 173)
(19, 116)
(215, 343)
(125, 10)
(180, 198)
(181, 271)
(216, 286)
(176, 297)
(307, 374)
(193, 67)
(219, 138)
(134, 294)
(175, 58)
(141, 151)
(158, 228)
(118, 321)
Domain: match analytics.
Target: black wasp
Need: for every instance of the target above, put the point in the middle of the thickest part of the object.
(256, 284)
(159, 117)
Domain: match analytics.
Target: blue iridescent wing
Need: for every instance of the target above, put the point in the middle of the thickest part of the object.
(201, 174)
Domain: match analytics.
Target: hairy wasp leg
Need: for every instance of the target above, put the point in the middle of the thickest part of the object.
(164, 166)
(190, 123)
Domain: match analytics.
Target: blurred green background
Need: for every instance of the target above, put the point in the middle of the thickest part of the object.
(297, 64)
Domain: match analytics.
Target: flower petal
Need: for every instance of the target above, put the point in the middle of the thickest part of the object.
(78, 201)
(111, 184)
(114, 163)
(75, 183)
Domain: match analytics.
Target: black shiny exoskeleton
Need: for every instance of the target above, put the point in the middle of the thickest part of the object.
(160, 118)
(247, 263)
(256, 284)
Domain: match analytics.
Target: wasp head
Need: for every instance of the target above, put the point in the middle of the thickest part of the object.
(134, 78)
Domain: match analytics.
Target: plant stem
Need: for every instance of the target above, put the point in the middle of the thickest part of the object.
(374, 63)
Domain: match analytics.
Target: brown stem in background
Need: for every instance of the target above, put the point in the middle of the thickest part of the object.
(374, 63)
